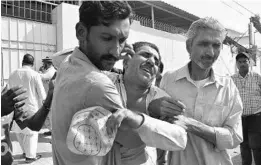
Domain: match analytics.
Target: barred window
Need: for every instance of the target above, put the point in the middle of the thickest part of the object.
(40, 11)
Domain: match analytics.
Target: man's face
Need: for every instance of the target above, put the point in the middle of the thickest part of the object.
(144, 64)
(205, 48)
(104, 44)
(243, 64)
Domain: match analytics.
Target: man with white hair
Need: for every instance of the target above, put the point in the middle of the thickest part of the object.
(214, 107)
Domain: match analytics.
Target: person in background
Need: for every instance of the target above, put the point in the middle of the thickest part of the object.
(31, 81)
(249, 86)
(46, 75)
(48, 72)
(12, 109)
(213, 112)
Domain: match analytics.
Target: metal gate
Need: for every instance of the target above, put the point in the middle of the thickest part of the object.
(23, 36)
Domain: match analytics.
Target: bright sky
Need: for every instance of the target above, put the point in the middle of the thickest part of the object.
(228, 12)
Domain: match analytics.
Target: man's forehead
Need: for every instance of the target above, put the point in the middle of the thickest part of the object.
(147, 49)
(117, 28)
(210, 36)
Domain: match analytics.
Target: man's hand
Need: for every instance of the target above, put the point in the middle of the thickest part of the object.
(196, 127)
(127, 52)
(12, 99)
(114, 121)
(123, 119)
(166, 106)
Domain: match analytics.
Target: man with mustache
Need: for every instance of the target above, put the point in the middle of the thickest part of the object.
(102, 32)
(137, 90)
(213, 106)
(249, 86)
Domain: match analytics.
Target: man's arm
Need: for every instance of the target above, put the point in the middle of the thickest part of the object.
(40, 89)
(32, 120)
(227, 136)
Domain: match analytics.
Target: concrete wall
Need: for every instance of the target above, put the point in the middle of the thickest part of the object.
(19, 37)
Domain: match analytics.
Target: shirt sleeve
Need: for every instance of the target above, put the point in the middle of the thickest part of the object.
(162, 135)
(40, 89)
(230, 135)
(103, 92)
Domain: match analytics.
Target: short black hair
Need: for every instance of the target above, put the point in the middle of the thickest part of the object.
(137, 45)
(28, 59)
(161, 67)
(93, 13)
(242, 55)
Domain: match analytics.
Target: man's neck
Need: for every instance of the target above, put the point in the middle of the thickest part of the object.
(243, 73)
(133, 90)
(196, 73)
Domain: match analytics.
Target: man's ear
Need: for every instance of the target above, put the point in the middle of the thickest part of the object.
(188, 45)
(81, 31)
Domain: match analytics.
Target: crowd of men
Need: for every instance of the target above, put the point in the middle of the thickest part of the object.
(188, 116)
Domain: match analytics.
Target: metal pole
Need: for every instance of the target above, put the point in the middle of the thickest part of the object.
(152, 16)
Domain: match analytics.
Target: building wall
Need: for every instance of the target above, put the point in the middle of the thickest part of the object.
(23, 36)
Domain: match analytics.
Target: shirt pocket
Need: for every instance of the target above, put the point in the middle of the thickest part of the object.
(216, 115)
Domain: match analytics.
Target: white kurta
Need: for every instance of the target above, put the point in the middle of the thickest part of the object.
(31, 81)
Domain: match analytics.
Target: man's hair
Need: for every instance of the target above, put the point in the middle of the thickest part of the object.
(161, 67)
(137, 45)
(93, 13)
(204, 24)
(28, 59)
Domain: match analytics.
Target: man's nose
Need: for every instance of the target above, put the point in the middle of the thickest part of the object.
(210, 50)
(151, 61)
(115, 51)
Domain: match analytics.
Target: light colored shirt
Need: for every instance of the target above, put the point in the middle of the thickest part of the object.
(46, 77)
(250, 91)
(31, 81)
(79, 85)
(133, 150)
(216, 104)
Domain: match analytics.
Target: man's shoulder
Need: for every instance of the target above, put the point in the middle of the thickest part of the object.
(256, 74)
(172, 74)
(83, 80)
(225, 80)
(158, 92)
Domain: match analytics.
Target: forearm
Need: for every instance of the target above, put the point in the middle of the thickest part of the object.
(36, 122)
(133, 120)
(161, 134)
(202, 130)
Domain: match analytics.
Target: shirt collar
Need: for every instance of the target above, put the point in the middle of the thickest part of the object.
(248, 74)
(27, 67)
(184, 73)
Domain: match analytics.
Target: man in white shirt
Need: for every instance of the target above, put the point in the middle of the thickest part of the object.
(48, 72)
(31, 81)
(214, 107)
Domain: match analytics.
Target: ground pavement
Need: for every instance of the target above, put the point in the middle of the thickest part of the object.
(45, 149)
